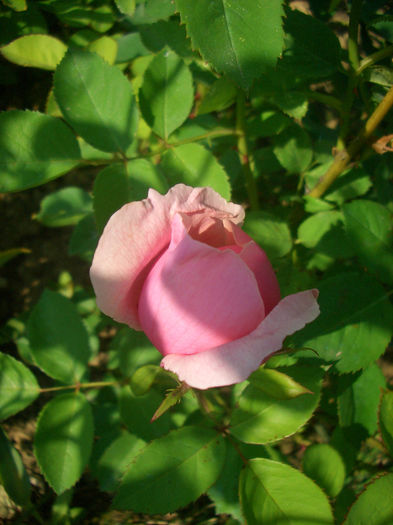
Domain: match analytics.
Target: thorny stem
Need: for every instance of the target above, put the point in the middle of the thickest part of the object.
(79, 386)
(244, 154)
(344, 157)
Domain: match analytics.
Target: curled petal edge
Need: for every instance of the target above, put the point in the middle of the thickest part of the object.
(233, 362)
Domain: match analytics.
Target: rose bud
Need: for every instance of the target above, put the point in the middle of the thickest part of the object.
(180, 268)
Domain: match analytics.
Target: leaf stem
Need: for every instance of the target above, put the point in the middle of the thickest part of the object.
(79, 386)
(374, 58)
(243, 152)
(343, 158)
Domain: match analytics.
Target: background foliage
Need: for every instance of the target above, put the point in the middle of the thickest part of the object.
(280, 105)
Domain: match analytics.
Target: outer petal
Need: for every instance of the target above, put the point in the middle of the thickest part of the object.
(233, 362)
(134, 237)
(197, 297)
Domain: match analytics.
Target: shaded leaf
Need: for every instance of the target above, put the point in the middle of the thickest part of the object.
(166, 95)
(34, 149)
(96, 99)
(63, 440)
(239, 39)
(172, 471)
(195, 165)
(64, 207)
(58, 338)
(324, 465)
(18, 386)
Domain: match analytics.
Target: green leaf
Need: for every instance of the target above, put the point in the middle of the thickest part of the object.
(271, 233)
(355, 324)
(166, 34)
(41, 51)
(97, 100)
(105, 47)
(374, 505)
(293, 150)
(142, 175)
(324, 231)
(116, 459)
(225, 491)
(137, 411)
(58, 338)
(34, 149)
(370, 230)
(320, 59)
(13, 475)
(151, 11)
(17, 5)
(261, 418)
(277, 384)
(18, 386)
(324, 465)
(143, 378)
(64, 207)
(132, 350)
(386, 420)
(172, 471)
(84, 238)
(63, 440)
(127, 7)
(110, 192)
(130, 46)
(167, 93)
(194, 165)
(275, 493)
(239, 39)
(353, 183)
(358, 402)
(221, 94)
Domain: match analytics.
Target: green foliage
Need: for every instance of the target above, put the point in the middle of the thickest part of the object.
(18, 386)
(262, 418)
(270, 232)
(13, 475)
(34, 149)
(97, 100)
(324, 465)
(355, 324)
(65, 207)
(63, 440)
(261, 102)
(166, 94)
(241, 40)
(374, 504)
(272, 492)
(42, 51)
(386, 420)
(58, 338)
(172, 471)
(369, 227)
(194, 165)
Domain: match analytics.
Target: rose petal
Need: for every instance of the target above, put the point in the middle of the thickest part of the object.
(258, 262)
(233, 362)
(134, 237)
(197, 297)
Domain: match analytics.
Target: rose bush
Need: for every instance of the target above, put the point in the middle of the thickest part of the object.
(179, 267)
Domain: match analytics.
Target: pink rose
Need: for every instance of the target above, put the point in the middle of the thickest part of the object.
(179, 267)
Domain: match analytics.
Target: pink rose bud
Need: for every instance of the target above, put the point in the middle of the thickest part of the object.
(180, 268)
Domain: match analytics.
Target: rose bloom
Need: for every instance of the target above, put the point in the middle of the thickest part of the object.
(179, 267)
